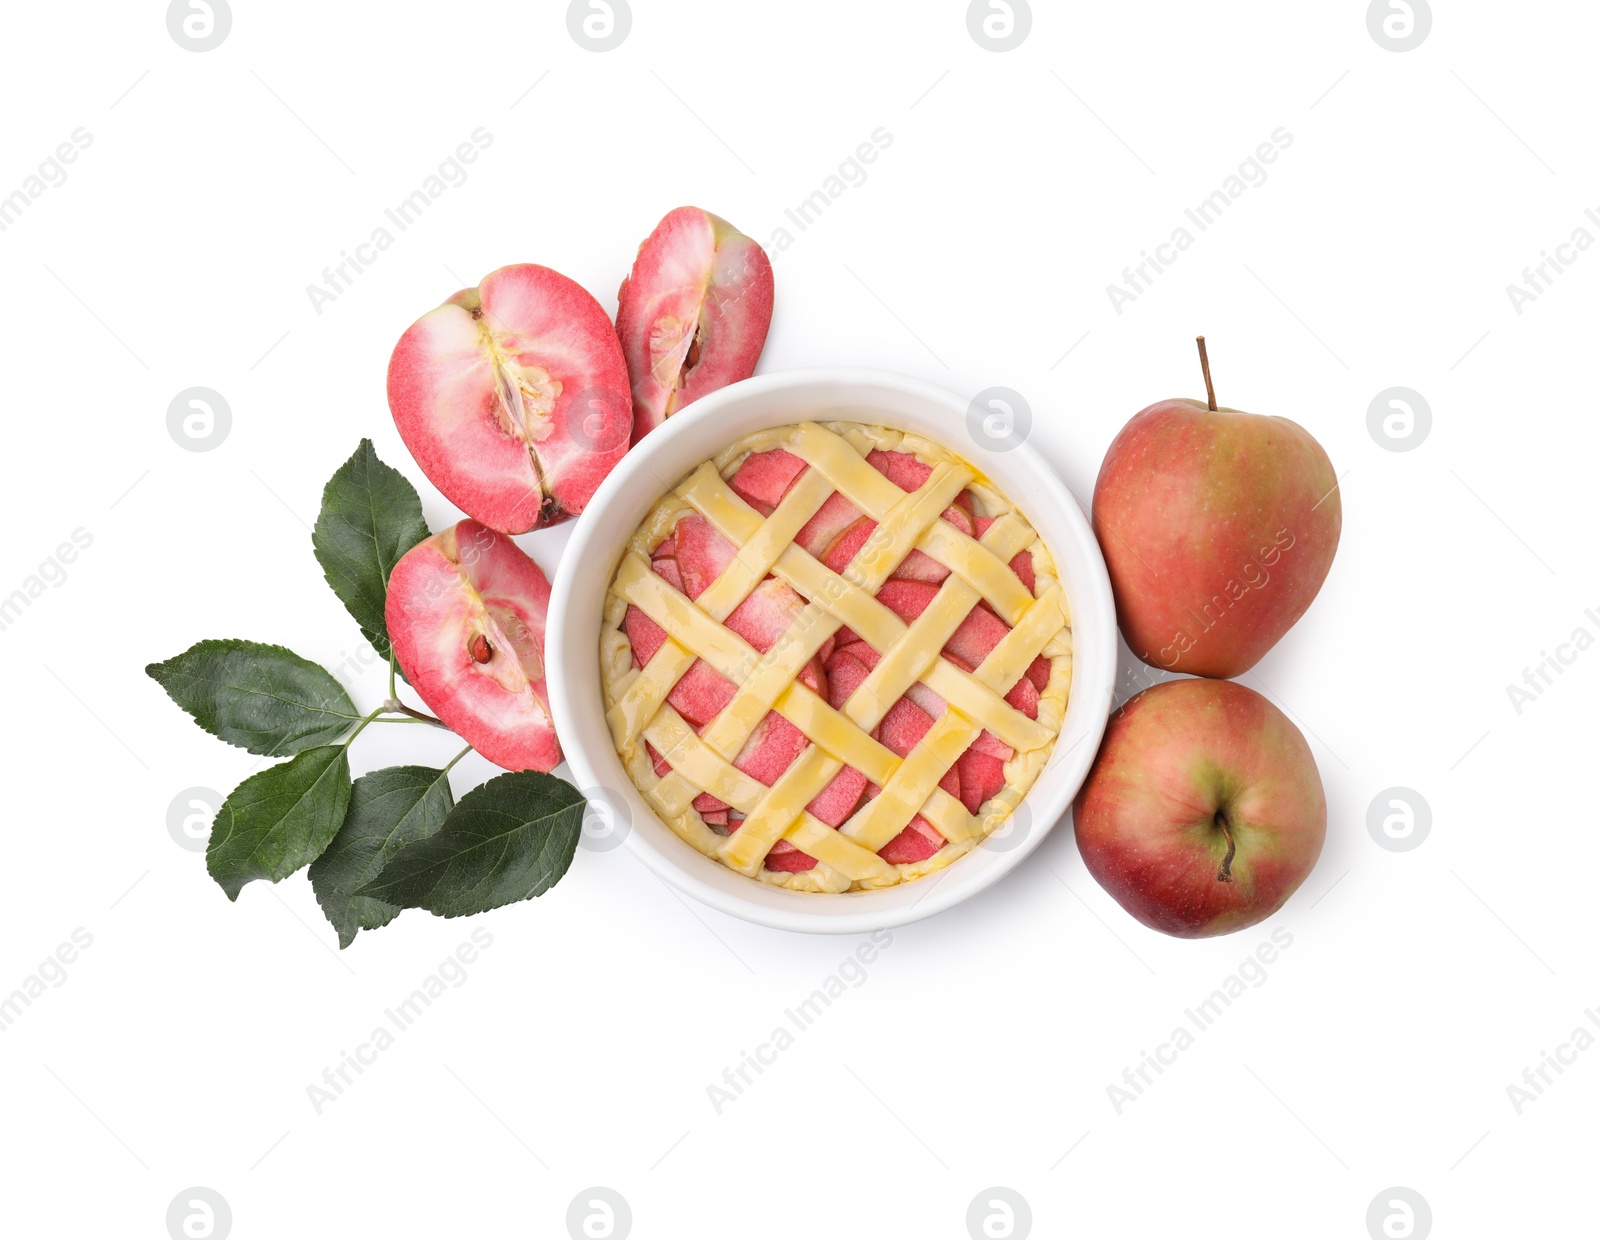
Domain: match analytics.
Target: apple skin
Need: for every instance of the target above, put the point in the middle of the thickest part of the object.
(1173, 758)
(1218, 529)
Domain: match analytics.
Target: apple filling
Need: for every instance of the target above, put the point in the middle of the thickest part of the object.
(781, 740)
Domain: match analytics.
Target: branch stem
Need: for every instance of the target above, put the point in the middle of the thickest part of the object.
(362, 727)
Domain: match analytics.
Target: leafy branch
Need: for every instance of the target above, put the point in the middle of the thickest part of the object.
(394, 838)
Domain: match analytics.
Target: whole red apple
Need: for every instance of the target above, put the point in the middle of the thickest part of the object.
(1218, 528)
(1203, 811)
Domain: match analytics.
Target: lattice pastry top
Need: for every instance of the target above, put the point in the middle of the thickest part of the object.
(834, 657)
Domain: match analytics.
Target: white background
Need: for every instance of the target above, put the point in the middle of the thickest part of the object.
(979, 1050)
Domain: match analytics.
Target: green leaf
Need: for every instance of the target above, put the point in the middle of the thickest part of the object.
(388, 810)
(262, 698)
(510, 839)
(370, 517)
(279, 820)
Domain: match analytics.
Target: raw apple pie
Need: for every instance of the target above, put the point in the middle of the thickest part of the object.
(834, 657)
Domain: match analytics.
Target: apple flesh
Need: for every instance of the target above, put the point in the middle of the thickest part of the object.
(693, 314)
(466, 614)
(1218, 529)
(694, 555)
(1203, 811)
(513, 398)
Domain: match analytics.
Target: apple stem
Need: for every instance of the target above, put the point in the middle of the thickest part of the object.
(1205, 369)
(1225, 873)
(400, 708)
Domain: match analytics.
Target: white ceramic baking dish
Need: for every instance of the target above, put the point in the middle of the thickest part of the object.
(698, 433)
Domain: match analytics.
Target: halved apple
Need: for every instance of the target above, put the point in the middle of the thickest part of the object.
(513, 397)
(466, 614)
(693, 314)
